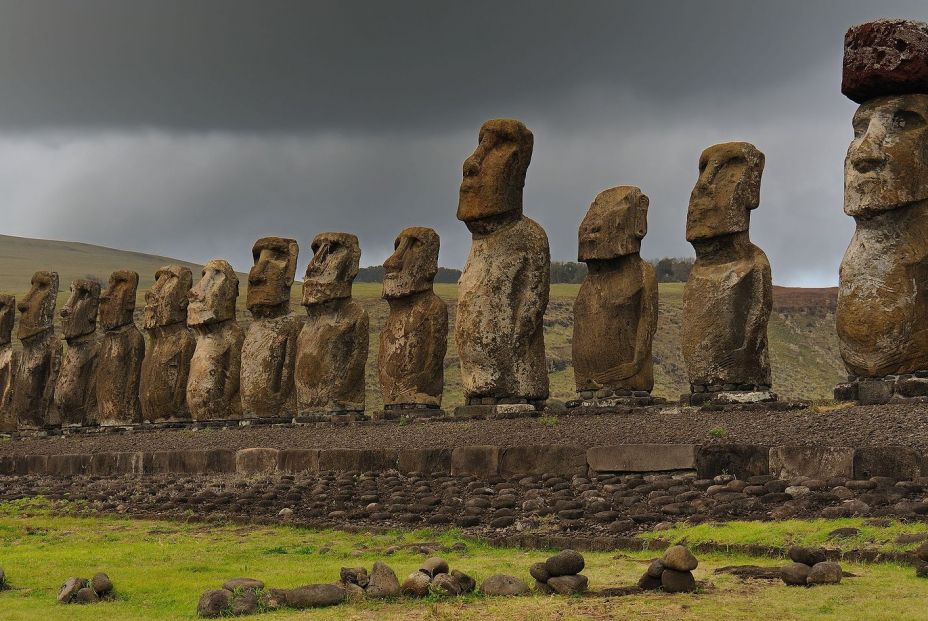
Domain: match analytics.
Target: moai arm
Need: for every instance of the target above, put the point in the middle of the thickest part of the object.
(536, 274)
(231, 368)
(54, 366)
(7, 395)
(759, 314)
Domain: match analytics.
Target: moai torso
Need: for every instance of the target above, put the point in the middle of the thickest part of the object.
(122, 349)
(75, 391)
(415, 336)
(503, 291)
(728, 297)
(166, 367)
(8, 361)
(40, 359)
(214, 380)
(333, 344)
(269, 349)
(615, 313)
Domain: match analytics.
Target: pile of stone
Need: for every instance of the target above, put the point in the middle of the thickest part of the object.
(247, 596)
(810, 568)
(560, 574)
(82, 591)
(673, 572)
(435, 576)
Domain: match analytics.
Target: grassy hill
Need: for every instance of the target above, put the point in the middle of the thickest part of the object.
(803, 343)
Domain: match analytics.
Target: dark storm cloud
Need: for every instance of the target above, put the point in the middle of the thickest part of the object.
(192, 128)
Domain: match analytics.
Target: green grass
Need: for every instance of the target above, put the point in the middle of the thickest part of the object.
(160, 568)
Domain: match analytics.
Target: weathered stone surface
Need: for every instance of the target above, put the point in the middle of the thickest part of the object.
(355, 575)
(795, 574)
(433, 566)
(885, 57)
(75, 395)
(503, 290)
(415, 336)
(424, 460)
(820, 462)
(825, 573)
(882, 313)
(166, 367)
(40, 358)
(8, 362)
(501, 584)
(673, 581)
(742, 460)
(332, 346)
(383, 582)
(215, 369)
(806, 556)
(69, 589)
(298, 460)
(122, 349)
(256, 460)
(315, 596)
(445, 584)
(214, 603)
(568, 585)
(642, 457)
(465, 582)
(102, 584)
(269, 348)
(86, 595)
(480, 461)
(728, 297)
(564, 563)
(679, 558)
(416, 585)
(899, 462)
(543, 459)
(615, 313)
(359, 460)
(539, 571)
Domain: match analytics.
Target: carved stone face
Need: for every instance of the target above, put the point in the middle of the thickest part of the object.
(7, 315)
(615, 224)
(727, 190)
(494, 174)
(332, 269)
(887, 162)
(117, 302)
(270, 279)
(79, 314)
(212, 299)
(37, 309)
(413, 265)
(166, 301)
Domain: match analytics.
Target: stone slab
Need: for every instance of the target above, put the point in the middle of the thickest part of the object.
(560, 459)
(298, 460)
(898, 462)
(479, 461)
(68, 464)
(256, 461)
(424, 460)
(817, 462)
(105, 464)
(357, 460)
(741, 460)
(642, 457)
(213, 461)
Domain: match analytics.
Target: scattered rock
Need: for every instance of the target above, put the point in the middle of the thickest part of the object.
(272, 599)
(214, 603)
(434, 566)
(673, 581)
(315, 596)
(355, 575)
(416, 584)
(922, 552)
(101, 584)
(795, 574)
(678, 558)
(383, 582)
(568, 585)
(824, 573)
(539, 572)
(649, 583)
(244, 603)
(69, 589)
(241, 584)
(86, 595)
(565, 563)
(466, 583)
(807, 556)
(354, 593)
(921, 568)
(501, 584)
(655, 569)
(445, 584)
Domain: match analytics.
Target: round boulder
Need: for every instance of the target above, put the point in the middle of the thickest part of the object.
(825, 573)
(445, 584)
(86, 596)
(922, 552)
(466, 583)
(565, 563)
(102, 584)
(70, 588)
(795, 574)
(655, 569)
(568, 585)
(501, 584)
(383, 582)
(539, 572)
(214, 603)
(434, 566)
(679, 558)
(244, 603)
(416, 584)
(242, 584)
(807, 556)
(649, 583)
(355, 575)
(272, 599)
(673, 581)
(315, 596)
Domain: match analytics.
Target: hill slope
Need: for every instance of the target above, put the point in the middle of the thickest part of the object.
(803, 344)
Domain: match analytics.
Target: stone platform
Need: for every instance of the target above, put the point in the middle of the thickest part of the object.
(905, 388)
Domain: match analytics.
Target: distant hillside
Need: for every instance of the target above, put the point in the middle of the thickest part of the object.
(803, 343)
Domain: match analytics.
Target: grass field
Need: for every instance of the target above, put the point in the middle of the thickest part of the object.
(160, 568)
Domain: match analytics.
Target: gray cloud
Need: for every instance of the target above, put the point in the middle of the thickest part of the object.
(191, 129)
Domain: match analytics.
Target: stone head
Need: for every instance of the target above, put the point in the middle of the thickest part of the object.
(332, 269)
(413, 265)
(213, 298)
(727, 190)
(166, 301)
(615, 224)
(37, 309)
(270, 279)
(7, 316)
(494, 174)
(117, 302)
(887, 162)
(79, 314)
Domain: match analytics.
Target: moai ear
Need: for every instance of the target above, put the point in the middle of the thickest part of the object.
(641, 216)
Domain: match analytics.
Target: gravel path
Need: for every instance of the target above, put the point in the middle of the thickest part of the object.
(905, 425)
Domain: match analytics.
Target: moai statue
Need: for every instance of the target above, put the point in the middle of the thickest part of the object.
(163, 392)
(122, 349)
(333, 344)
(882, 314)
(615, 313)
(415, 336)
(213, 384)
(75, 391)
(8, 360)
(728, 297)
(269, 351)
(503, 290)
(40, 359)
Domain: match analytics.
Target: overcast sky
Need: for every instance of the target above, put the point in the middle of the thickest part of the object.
(190, 129)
